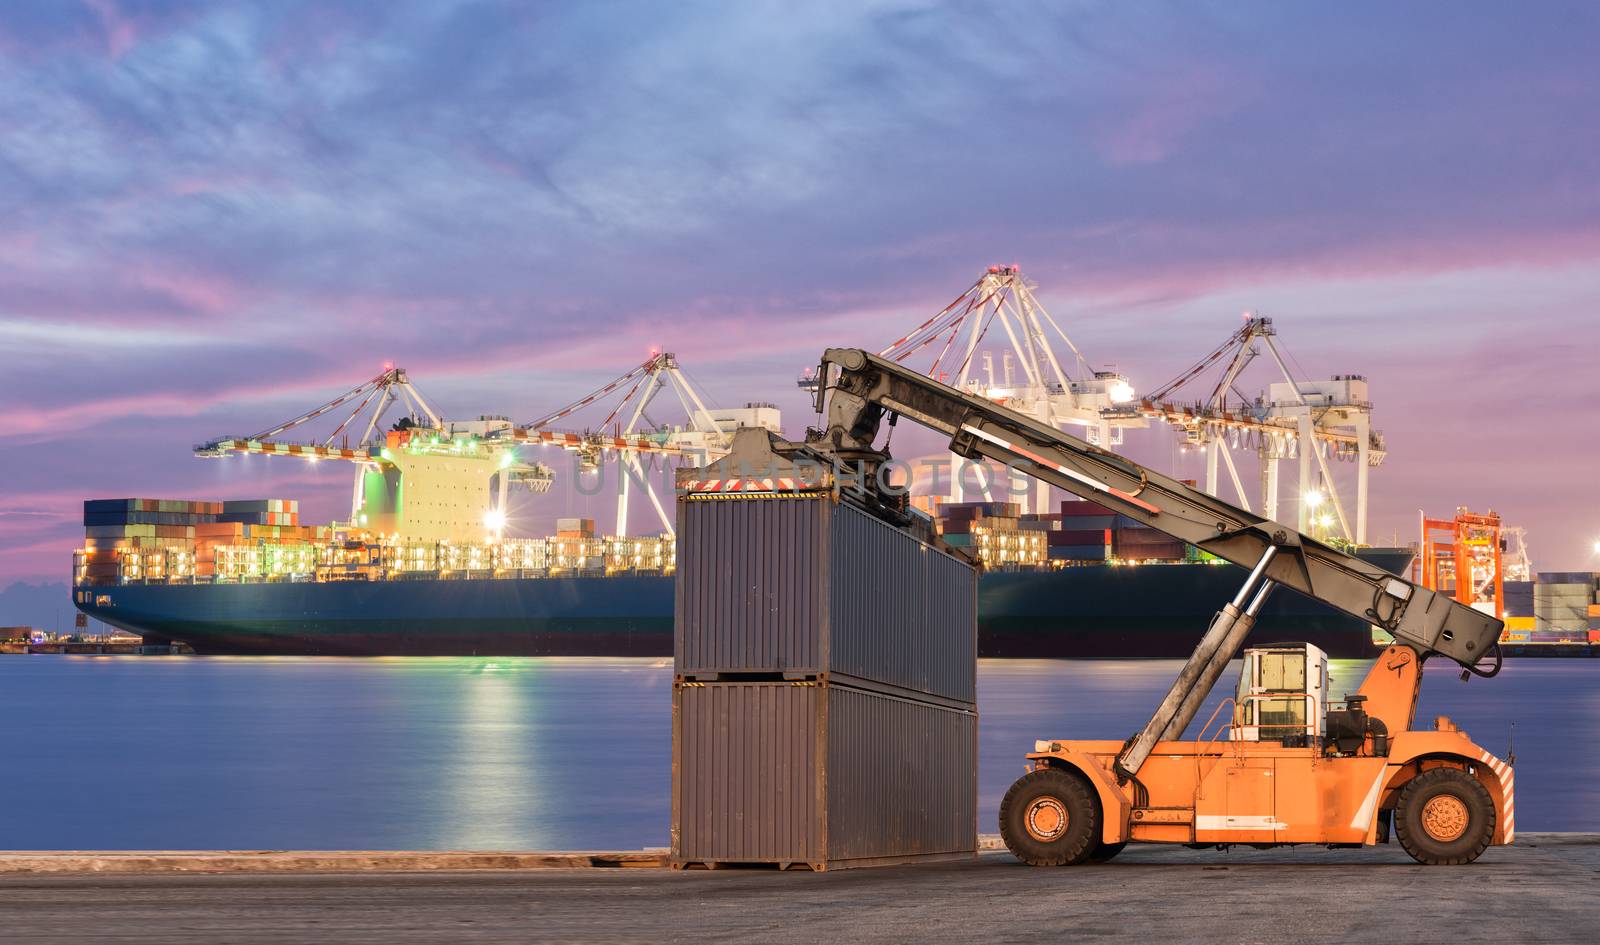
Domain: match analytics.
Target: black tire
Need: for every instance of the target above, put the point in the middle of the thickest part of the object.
(1050, 818)
(1445, 817)
(1104, 851)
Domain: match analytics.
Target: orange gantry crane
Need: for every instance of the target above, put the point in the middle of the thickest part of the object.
(1288, 763)
(1462, 557)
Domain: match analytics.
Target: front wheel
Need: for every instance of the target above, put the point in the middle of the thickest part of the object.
(1050, 818)
(1445, 817)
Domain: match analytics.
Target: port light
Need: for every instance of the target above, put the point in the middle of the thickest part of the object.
(1313, 499)
(495, 521)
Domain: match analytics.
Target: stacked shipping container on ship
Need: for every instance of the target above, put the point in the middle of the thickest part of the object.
(997, 534)
(1085, 533)
(181, 539)
(824, 699)
(1566, 607)
(1000, 536)
(1519, 616)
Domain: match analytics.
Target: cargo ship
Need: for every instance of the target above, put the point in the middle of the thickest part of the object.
(423, 565)
(247, 578)
(1090, 611)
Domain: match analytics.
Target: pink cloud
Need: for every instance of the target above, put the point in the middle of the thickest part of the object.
(120, 32)
(1148, 121)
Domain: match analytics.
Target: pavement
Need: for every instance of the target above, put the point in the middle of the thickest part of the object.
(1543, 889)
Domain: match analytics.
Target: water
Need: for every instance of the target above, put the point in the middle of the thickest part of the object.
(252, 753)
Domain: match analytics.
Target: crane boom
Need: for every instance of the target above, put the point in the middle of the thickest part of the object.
(859, 388)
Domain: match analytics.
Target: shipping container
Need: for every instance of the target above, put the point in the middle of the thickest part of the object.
(808, 585)
(1081, 536)
(1547, 578)
(819, 775)
(1079, 507)
(1084, 522)
(981, 509)
(1518, 598)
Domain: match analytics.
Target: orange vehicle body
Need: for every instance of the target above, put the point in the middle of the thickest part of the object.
(1215, 790)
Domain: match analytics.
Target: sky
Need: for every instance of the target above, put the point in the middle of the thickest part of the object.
(219, 214)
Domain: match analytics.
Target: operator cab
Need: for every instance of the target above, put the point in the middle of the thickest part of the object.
(1283, 695)
(1283, 698)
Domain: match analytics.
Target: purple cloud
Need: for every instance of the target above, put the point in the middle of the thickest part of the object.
(220, 212)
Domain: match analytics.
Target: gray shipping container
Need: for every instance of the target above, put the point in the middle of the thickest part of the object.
(806, 585)
(821, 775)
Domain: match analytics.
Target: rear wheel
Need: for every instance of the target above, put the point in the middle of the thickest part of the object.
(1050, 818)
(1445, 817)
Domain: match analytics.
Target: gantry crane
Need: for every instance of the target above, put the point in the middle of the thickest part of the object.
(1293, 419)
(1053, 390)
(1465, 558)
(704, 436)
(1292, 769)
(458, 472)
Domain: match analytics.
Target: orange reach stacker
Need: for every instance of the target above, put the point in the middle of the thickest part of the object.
(1283, 764)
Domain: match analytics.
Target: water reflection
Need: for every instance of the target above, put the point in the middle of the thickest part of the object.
(143, 753)
(493, 766)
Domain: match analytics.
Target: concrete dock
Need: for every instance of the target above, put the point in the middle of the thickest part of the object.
(1541, 890)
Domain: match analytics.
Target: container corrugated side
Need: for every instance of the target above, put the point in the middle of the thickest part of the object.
(901, 777)
(806, 586)
(744, 773)
(900, 611)
(819, 774)
(748, 584)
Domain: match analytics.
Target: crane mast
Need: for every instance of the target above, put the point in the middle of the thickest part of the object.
(857, 389)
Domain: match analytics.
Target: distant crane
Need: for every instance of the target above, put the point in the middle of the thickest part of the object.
(439, 460)
(1293, 419)
(1464, 557)
(705, 436)
(1045, 390)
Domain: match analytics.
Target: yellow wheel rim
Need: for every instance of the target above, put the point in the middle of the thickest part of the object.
(1445, 818)
(1046, 819)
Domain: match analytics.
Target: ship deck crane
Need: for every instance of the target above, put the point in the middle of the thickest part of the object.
(420, 435)
(704, 437)
(1296, 419)
(1056, 390)
(1292, 769)
(390, 387)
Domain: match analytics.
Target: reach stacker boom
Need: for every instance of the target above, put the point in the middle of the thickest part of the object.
(1279, 762)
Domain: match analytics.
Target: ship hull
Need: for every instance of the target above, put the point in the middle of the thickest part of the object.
(1154, 611)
